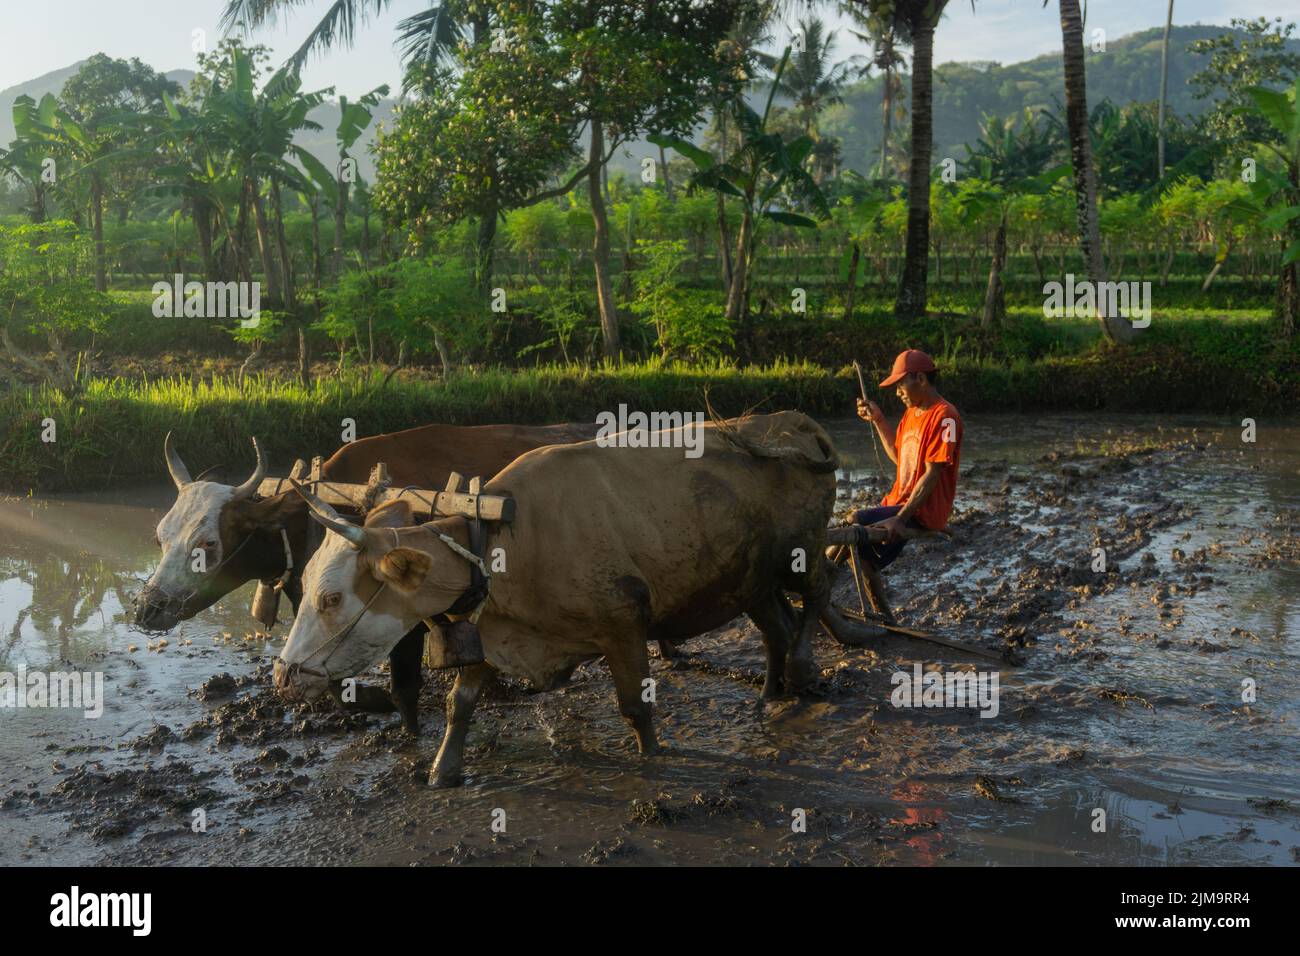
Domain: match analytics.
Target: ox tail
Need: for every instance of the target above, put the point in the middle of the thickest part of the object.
(781, 441)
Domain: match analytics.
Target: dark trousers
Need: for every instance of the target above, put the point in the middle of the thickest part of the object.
(881, 555)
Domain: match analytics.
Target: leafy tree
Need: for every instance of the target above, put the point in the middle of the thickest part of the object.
(435, 301)
(47, 290)
(1007, 161)
(1236, 64)
(1274, 202)
(123, 101)
(758, 172)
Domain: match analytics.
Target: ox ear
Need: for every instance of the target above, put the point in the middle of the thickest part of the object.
(271, 514)
(404, 568)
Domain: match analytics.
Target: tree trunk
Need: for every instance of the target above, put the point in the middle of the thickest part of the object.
(1288, 300)
(995, 303)
(340, 221)
(724, 243)
(315, 241)
(668, 183)
(304, 357)
(1115, 328)
(1164, 89)
(443, 357)
(738, 292)
(887, 105)
(600, 246)
(1218, 264)
(851, 292)
(203, 226)
(911, 299)
(287, 290)
(484, 251)
(264, 242)
(97, 213)
(239, 240)
(365, 236)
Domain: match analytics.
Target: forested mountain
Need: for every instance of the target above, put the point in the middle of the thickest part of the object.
(1128, 71)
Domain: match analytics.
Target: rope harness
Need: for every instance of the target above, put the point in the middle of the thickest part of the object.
(476, 596)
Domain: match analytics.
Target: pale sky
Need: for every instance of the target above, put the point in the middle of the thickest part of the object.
(36, 38)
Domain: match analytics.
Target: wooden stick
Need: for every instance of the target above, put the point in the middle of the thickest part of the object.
(920, 635)
(857, 577)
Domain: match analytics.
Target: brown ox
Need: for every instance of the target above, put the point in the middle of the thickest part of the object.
(611, 547)
(239, 533)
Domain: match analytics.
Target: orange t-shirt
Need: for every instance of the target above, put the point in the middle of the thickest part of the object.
(923, 436)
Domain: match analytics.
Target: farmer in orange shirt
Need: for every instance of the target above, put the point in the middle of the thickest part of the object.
(926, 447)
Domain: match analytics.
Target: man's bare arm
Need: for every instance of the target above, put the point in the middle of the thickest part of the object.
(923, 490)
(869, 411)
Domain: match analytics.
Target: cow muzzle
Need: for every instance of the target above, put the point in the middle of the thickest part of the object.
(296, 684)
(153, 610)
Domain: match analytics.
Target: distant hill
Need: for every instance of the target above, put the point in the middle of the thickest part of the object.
(1128, 71)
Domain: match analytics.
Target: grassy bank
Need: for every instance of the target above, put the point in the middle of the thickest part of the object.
(113, 433)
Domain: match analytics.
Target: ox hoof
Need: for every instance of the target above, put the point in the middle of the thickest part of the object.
(801, 675)
(445, 779)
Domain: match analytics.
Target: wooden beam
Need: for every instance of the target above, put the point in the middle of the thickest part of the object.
(436, 504)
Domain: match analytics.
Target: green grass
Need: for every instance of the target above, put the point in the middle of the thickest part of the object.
(113, 433)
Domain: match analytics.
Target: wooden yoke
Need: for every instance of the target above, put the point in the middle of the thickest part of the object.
(424, 501)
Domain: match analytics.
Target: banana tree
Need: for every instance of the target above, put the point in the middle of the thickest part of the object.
(991, 195)
(47, 131)
(1274, 201)
(27, 154)
(354, 118)
(756, 173)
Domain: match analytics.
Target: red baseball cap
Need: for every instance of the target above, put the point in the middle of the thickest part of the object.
(913, 360)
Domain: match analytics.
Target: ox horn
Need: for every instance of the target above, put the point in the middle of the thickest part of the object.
(180, 474)
(259, 472)
(327, 516)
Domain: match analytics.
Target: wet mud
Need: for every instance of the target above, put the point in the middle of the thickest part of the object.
(1146, 711)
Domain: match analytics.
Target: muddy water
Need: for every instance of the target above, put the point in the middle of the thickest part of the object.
(1122, 735)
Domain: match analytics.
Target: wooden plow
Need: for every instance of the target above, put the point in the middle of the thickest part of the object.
(843, 541)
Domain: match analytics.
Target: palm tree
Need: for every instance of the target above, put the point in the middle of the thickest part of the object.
(429, 36)
(1115, 327)
(811, 82)
(916, 19)
(888, 59)
(1164, 88)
